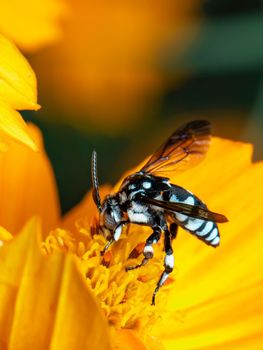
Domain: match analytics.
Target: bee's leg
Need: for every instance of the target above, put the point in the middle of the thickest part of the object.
(148, 249)
(173, 230)
(168, 263)
(115, 236)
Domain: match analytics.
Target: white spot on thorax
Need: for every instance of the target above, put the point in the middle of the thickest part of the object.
(132, 187)
(146, 185)
(1, 243)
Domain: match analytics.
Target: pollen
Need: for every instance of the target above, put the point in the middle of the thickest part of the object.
(125, 296)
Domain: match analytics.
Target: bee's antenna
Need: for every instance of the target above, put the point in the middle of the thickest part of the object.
(95, 182)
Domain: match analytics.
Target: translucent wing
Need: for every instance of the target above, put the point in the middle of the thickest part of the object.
(193, 211)
(184, 148)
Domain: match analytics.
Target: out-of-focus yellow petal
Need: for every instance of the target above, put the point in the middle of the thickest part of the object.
(4, 235)
(27, 186)
(44, 301)
(31, 24)
(3, 146)
(118, 64)
(17, 91)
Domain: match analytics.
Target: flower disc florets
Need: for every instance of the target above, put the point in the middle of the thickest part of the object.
(125, 297)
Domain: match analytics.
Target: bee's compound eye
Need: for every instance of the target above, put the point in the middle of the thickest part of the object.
(108, 219)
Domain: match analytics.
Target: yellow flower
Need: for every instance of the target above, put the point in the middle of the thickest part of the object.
(58, 292)
(107, 64)
(31, 24)
(17, 92)
(44, 299)
(27, 186)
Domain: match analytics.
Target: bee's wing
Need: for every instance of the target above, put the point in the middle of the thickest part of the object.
(193, 211)
(185, 147)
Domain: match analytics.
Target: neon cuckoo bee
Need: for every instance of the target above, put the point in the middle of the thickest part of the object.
(148, 198)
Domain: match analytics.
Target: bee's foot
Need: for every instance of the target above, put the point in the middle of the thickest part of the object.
(129, 268)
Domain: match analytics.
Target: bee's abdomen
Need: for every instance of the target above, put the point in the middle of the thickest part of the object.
(207, 231)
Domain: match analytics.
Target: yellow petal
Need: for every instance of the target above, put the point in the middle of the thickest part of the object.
(4, 235)
(233, 321)
(127, 337)
(27, 186)
(18, 81)
(17, 91)
(118, 64)
(44, 301)
(78, 315)
(3, 146)
(128, 340)
(32, 24)
(13, 125)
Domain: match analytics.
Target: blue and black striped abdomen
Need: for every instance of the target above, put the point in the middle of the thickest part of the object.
(207, 231)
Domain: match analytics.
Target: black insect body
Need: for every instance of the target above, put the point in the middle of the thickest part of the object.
(148, 198)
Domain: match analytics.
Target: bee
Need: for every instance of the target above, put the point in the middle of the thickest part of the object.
(148, 198)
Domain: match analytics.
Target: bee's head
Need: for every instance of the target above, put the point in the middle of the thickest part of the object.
(110, 215)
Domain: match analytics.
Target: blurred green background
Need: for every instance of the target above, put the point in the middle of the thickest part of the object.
(216, 75)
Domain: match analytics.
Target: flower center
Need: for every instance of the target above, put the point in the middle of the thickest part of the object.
(125, 297)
